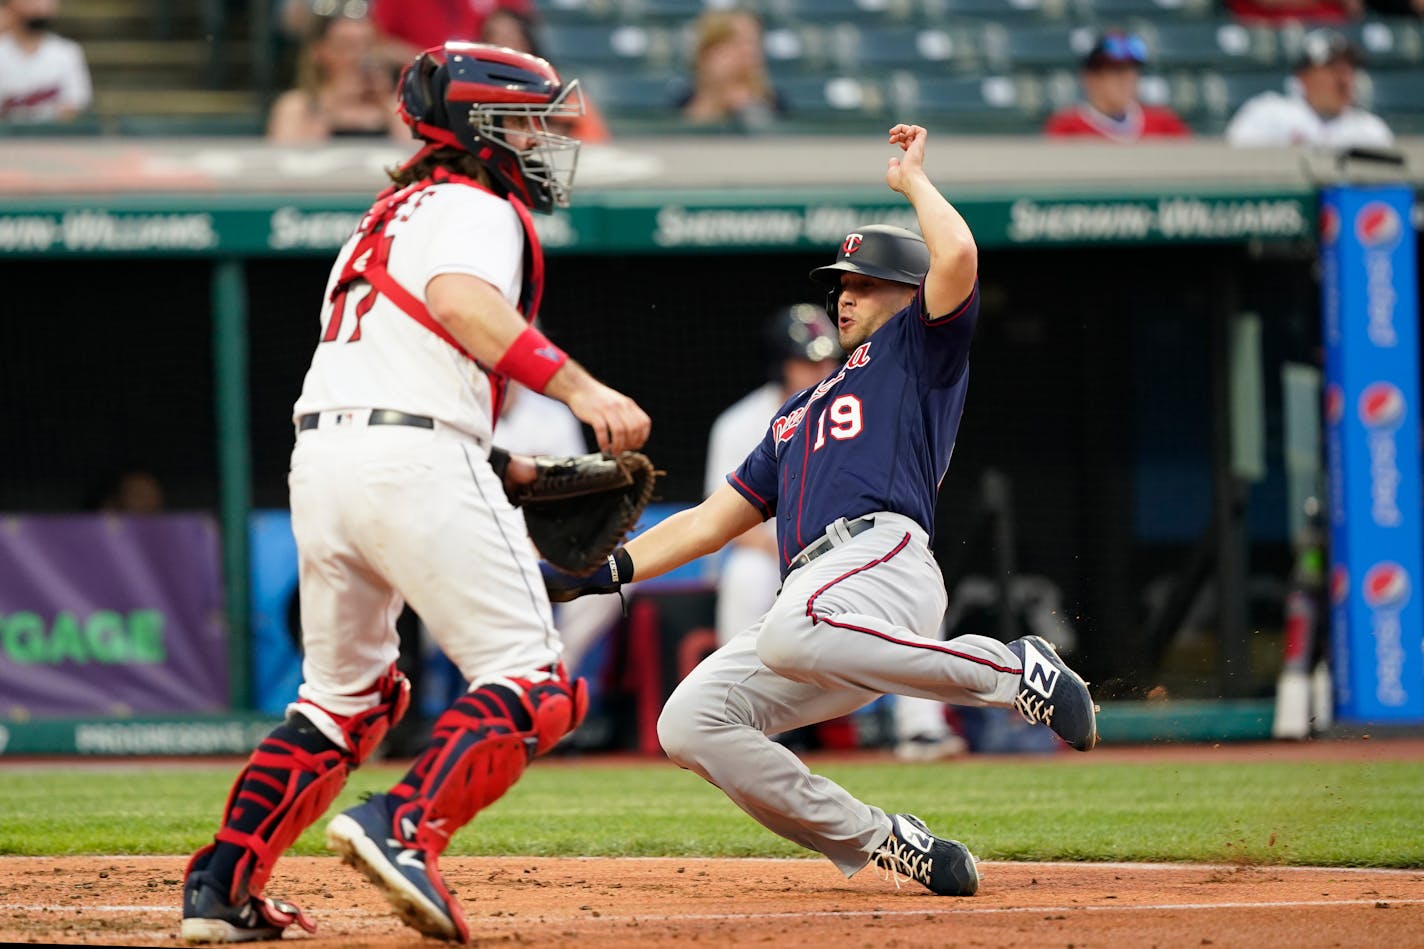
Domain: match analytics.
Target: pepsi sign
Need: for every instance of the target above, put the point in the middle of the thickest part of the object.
(1370, 312)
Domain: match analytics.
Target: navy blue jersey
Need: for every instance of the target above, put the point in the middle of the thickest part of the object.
(876, 435)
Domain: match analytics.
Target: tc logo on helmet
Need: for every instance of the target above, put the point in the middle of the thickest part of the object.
(1386, 585)
(852, 243)
(1381, 405)
(1377, 224)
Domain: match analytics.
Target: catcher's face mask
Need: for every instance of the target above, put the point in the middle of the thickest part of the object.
(496, 104)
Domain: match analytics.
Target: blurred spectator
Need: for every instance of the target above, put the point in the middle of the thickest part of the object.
(132, 491)
(1111, 109)
(1282, 12)
(801, 349)
(409, 26)
(1318, 108)
(43, 76)
(730, 85)
(515, 30)
(342, 90)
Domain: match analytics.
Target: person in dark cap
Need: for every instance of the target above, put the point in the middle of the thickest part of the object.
(1111, 108)
(1318, 107)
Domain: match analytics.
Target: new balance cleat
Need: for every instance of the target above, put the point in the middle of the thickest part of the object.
(367, 838)
(1052, 694)
(208, 916)
(945, 867)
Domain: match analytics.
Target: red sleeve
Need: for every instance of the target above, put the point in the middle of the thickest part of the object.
(1067, 122)
(1158, 120)
(1055, 124)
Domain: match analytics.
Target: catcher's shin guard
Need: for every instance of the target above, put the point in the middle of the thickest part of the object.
(289, 781)
(480, 747)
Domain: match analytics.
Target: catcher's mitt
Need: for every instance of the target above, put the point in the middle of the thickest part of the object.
(581, 507)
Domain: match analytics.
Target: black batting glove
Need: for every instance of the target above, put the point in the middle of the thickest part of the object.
(608, 578)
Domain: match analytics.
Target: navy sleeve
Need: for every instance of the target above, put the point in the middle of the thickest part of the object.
(755, 479)
(944, 340)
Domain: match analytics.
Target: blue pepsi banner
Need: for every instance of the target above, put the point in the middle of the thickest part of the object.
(1370, 310)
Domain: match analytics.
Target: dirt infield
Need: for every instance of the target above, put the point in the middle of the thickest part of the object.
(545, 902)
(133, 901)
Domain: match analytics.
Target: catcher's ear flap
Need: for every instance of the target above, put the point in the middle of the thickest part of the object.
(428, 92)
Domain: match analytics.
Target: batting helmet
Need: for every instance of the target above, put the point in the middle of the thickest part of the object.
(876, 250)
(800, 331)
(461, 95)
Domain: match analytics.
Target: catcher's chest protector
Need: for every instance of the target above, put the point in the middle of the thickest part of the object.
(368, 262)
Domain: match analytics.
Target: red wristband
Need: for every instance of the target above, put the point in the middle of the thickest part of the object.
(531, 360)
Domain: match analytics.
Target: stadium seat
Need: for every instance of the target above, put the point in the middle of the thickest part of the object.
(1398, 93)
(79, 126)
(1035, 47)
(831, 11)
(932, 49)
(1117, 11)
(1184, 95)
(669, 11)
(628, 46)
(936, 12)
(792, 48)
(576, 12)
(1220, 45)
(1393, 42)
(1223, 93)
(991, 103)
(833, 98)
(167, 126)
(633, 95)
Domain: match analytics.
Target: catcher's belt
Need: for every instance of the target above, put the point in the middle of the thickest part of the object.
(306, 423)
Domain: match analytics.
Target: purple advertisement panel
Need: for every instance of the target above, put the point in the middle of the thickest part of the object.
(111, 615)
(1371, 323)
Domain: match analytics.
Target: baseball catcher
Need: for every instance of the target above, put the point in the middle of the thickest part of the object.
(429, 315)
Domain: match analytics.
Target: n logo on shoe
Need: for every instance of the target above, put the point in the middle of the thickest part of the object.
(1039, 674)
(913, 836)
(406, 857)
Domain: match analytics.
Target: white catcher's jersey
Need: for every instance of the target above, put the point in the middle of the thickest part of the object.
(385, 359)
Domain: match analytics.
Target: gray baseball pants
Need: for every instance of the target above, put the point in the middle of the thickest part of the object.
(855, 623)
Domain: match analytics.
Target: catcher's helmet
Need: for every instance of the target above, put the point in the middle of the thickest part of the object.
(461, 95)
(876, 250)
(800, 331)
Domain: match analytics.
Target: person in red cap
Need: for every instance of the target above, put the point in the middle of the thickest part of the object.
(1319, 105)
(1111, 108)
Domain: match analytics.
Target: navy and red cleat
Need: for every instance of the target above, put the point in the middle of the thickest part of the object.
(1052, 694)
(945, 867)
(367, 838)
(210, 916)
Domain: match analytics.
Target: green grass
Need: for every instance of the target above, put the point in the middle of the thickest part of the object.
(1289, 813)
